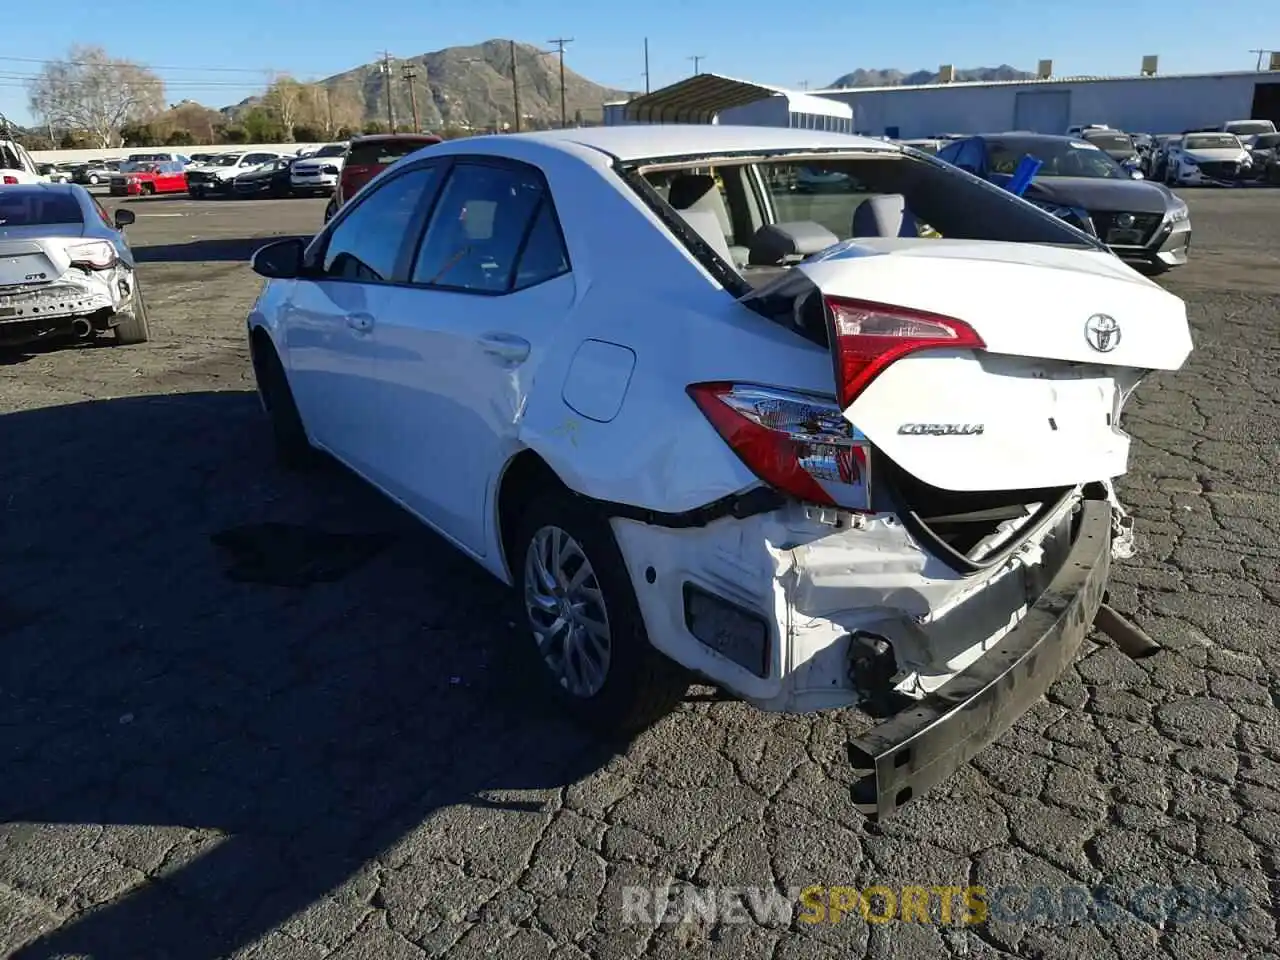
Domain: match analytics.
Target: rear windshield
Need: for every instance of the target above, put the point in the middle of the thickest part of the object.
(1115, 142)
(382, 152)
(332, 150)
(1211, 141)
(1267, 140)
(36, 206)
(1246, 127)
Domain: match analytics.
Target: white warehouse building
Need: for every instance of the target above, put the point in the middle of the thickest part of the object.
(1142, 104)
(1139, 104)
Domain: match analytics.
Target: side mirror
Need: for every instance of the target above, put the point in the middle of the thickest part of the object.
(281, 260)
(123, 218)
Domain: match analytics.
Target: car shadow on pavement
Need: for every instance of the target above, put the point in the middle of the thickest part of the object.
(290, 735)
(198, 251)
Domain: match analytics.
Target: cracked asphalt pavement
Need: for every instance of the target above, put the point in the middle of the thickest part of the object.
(194, 767)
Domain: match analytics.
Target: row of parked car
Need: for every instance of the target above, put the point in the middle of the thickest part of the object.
(336, 170)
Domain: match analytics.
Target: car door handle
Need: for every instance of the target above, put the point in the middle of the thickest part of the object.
(505, 346)
(360, 322)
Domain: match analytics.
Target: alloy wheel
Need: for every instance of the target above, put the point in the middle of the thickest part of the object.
(566, 610)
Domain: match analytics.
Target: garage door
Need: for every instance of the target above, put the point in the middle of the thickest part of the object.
(1042, 111)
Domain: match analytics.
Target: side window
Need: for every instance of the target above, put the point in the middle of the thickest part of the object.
(544, 256)
(366, 243)
(478, 228)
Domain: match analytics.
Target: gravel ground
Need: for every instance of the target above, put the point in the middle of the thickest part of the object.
(195, 767)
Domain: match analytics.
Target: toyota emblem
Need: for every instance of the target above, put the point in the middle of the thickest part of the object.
(1125, 220)
(1102, 332)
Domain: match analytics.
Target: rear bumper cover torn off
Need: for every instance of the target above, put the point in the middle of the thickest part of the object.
(916, 749)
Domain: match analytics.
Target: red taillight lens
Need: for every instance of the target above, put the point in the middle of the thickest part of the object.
(867, 337)
(10, 179)
(797, 444)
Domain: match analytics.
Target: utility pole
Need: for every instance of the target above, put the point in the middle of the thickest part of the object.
(1261, 54)
(560, 42)
(515, 86)
(386, 72)
(646, 64)
(697, 60)
(804, 84)
(407, 71)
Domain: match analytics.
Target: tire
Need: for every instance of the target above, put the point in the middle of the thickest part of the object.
(330, 209)
(136, 328)
(634, 685)
(93, 179)
(293, 449)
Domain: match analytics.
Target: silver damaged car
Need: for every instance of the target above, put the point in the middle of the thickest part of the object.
(65, 267)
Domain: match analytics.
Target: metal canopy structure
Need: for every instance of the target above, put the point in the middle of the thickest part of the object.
(703, 97)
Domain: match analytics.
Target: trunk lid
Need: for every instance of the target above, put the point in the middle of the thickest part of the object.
(26, 261)
(1066, 335)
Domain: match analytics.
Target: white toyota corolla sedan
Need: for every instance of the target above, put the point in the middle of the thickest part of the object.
(823, 450)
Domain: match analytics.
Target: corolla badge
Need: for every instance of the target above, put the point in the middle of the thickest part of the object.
(941, 429)
(1102, 332)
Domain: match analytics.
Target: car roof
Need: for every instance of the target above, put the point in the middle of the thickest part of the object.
(642, 141)
(376, 137)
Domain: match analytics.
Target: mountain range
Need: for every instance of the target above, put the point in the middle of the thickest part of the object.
(897, 78)
(467, 87)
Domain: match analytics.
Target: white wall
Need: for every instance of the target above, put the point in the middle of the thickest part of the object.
(71, 156)
(1139, 105)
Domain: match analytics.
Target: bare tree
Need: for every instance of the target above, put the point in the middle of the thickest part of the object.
(285, 100)
(338, 108)
(92, 93)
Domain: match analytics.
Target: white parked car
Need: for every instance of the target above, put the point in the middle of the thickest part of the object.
(1248, 128)
(1079, 130)
(217, 176)
(1207, 158)
(16, 165)
(709, 426)
(318, 172)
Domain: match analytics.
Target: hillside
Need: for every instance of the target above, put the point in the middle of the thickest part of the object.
(897, 78)
(470, 87)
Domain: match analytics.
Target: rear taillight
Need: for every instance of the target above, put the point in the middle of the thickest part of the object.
(93, 255)
(10, 179)
(867, 337)
(798, 444)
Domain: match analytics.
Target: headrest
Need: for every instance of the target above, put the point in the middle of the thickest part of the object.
(688, 188)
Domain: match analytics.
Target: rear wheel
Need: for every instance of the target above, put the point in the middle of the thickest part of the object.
(586, 635)
(330, 210)
(135, 328)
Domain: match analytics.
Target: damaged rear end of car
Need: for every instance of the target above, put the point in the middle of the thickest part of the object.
(946, 517)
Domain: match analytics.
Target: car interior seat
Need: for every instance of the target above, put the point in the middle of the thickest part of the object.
(695, 194)
(885, 215)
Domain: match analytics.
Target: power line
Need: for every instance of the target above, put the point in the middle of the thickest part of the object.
(144, 66)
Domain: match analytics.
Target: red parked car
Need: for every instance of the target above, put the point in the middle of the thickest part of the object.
(368, 156)
(147, 177)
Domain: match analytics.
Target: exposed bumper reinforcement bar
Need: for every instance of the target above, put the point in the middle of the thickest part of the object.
(918, 748)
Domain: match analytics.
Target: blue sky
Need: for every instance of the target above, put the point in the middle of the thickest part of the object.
(752, 39)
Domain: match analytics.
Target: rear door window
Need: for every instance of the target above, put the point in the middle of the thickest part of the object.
(479, 229)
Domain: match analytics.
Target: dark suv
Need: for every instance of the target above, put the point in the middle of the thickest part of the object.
(368, 156)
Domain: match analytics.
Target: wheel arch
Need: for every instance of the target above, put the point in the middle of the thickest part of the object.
(524, 477)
